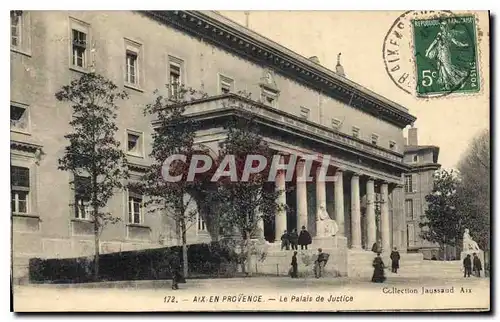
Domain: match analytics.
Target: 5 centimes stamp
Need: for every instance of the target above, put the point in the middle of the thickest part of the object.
(433, 53)
(445, 55)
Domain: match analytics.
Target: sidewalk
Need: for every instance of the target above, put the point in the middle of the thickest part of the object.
(257, 282)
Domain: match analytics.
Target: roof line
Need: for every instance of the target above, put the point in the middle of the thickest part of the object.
(303, 59)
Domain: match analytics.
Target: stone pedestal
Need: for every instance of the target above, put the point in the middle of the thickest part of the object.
(328, 242)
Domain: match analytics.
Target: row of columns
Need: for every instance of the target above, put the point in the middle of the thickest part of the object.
(301, 190)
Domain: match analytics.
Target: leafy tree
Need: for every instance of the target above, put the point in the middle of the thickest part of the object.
(93, 154)
(442, 221)
(243, 204)
(474, 189)
(174, 135)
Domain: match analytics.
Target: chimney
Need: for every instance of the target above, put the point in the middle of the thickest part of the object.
(314, 59)
(339, 69)
(412, 136)
(247, 19)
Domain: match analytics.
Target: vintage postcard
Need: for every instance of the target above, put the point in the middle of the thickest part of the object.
(250, 161)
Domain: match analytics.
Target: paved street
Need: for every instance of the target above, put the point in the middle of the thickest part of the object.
(258, 293)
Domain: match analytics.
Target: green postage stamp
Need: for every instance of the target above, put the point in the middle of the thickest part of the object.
(446, 55)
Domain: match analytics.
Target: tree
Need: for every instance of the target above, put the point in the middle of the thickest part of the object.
(442, 221)
(474, 188)
(93, 154)
(174, 135)
(243, 204)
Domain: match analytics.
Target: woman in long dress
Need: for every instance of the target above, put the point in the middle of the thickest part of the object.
(449, 75)
(378, 270)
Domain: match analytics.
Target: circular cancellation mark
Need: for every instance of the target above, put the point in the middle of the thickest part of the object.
(432, 53)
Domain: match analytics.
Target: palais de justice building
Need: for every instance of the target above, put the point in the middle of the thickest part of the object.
(302, 106)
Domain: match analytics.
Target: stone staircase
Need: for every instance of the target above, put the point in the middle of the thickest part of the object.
(411, 265)
(277, 263)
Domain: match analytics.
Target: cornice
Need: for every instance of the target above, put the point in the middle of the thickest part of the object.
(25, 146)
(425, 167)
(229, 105)
(135, 167)
(237, 39)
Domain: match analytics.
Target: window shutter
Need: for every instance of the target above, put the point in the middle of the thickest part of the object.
(414, 178)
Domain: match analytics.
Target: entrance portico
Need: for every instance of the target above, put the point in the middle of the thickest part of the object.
(365, 198)
(352, 196)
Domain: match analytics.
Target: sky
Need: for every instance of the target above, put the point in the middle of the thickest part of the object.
(450, 122)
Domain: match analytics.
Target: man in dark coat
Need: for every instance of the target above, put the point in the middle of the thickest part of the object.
(175, 270)
(294, 273)
(378, 270)
(477, 265)
(285, 241)
(294, 239)
(304, 238)
(467, 266)
(395, 260)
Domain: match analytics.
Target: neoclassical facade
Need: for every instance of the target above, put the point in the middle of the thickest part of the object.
(303, 108)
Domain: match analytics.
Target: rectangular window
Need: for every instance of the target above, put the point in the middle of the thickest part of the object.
(335, 123)
(131, 71)
(226, 84)
(414, 158)
(374, 139)
(82, 187)
(304, 112)
(19, 118)
(79, 48)
(392, 145)
(201, 224)
(134, 143)
(16, 19)
(409, 208)
(355, 132)
(409, 183)
(134, 208)
(175, 80)
(20, 189)
(133, 63)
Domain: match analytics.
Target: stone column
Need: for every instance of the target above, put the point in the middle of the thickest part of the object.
(370, 213)
(399, 213)
(301, 195)
(280, 218)
(384, 218)
(339, 201)
(355, 213)
(321, 212)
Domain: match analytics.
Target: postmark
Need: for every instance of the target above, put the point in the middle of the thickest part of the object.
(433, 53)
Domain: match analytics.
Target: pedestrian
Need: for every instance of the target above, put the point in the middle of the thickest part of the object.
(294, 239)
(294, 272)
(467, 266)
(378, 270)
(304, 238)
(477, 266)
(320, 263)
(377, 247)
(285, 241)
(395, 257)
(175, 270)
